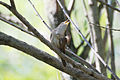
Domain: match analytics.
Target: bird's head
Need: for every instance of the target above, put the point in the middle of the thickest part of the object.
(66, 22)
(61, 29)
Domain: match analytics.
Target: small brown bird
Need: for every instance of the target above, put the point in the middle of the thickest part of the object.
(58, 37)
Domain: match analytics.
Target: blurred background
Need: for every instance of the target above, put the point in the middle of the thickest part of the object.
(15, 65)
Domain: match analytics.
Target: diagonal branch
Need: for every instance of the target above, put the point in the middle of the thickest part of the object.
(79, 59)
(43, 56)
(16, 26)
(97, 25)
(110, 17)
(117, 2)
(40, 16)
(5, 5)
(112, 7)
(85, 53)
(13, 4)
(70, 6)
(82, 42)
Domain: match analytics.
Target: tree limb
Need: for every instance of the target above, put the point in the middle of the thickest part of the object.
(71, 6)
(110, 16)
(79, 59)
(43, 56)
(13, 4)
(112, 7)
(40, 16)
(15, 25)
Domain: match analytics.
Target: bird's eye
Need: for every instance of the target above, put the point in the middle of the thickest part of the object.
(58, 35)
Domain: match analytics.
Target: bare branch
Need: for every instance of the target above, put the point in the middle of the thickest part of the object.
(110, 37)
(16, 26)
(112, 7)
(22, 19)
(79, 59)
(85, 53)
(5, 5)
(43, 56)
(13, 19)
(104, 27)
(12, 4)
(71, 5)
(117, 2)
(40, 16)
(82, 42)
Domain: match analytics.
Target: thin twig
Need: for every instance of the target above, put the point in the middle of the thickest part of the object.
(81, 60)
(40, 16)
(104, 27)
(117, 2)
(83, 41)
(16, 26)
(12, 4)
(79, 32)
(110, 37)
(71, 5)
(12, 19)
(6, 5)
(108, 5)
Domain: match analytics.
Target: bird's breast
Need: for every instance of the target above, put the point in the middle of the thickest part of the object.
(55, 41)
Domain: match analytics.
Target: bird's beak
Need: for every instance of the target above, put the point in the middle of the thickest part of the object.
(67, 22)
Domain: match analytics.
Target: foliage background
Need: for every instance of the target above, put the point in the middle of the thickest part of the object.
(15, 65)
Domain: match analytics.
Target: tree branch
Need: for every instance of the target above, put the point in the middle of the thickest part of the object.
(70, 6)
(43, 56)
(112, 7)
(79, 59)
(85, 52)
(110, 16)
(40, 16)
(15, 25)
(5, 5)
(117, 2)
(97, 25)
(13, 4)
(82, 42)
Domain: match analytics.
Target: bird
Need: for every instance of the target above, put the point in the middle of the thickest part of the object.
(58, 37)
